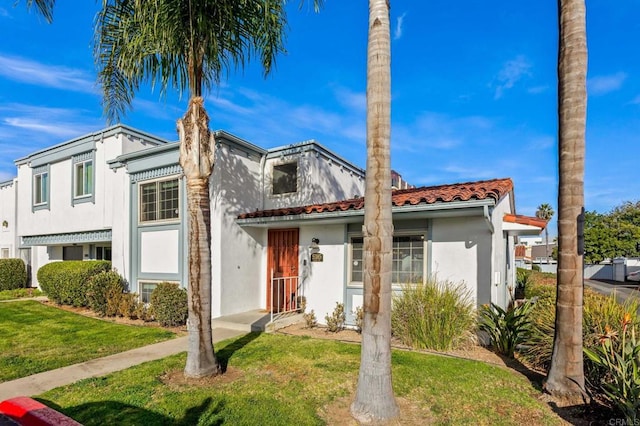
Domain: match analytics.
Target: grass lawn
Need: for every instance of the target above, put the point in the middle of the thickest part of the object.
(38, 338)
(275, 379)
(19, 293)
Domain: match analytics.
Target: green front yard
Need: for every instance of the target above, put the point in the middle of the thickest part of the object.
(38, 338)
(289, 380)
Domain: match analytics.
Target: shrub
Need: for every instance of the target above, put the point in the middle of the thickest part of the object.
(335, 322)
(435, 315)
(310, 319)
(536, 268)
(101, 288)
(506, 328)
(522, 281)
(66, 282)
(169, 304)
(13, 274)
(359, 319)
(621, 360)
(601, 315)
(127, 305)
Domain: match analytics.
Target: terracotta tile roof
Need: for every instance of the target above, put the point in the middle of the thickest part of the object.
(495, 188)
(521, 251)
(525, 220)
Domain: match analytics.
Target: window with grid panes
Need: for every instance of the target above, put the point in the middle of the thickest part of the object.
(160, 200)
(408, 259)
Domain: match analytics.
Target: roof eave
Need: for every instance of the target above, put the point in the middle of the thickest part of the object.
(422, 210)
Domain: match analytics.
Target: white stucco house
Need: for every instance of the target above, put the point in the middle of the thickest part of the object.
(286, 222)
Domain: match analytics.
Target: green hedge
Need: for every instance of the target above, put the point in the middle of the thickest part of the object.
(66, 282)
(13, 274)
(100, 288)
(169, 304)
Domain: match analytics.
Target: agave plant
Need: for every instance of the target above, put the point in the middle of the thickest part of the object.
(506, 328)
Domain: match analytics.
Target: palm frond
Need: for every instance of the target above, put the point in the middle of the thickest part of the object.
(44, 7)
(187, 45)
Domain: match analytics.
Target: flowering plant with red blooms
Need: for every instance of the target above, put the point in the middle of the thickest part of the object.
(622, 361)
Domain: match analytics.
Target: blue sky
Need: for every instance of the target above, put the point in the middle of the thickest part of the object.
(473, 88)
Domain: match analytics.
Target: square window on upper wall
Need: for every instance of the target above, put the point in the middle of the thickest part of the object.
(285, 178)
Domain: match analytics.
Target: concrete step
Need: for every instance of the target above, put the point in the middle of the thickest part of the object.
(256, 321)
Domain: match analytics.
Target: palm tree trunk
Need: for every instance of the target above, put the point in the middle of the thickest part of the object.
(196, 159)
(374, 399)
(566, 373)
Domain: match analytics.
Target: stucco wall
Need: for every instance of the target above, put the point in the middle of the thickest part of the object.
(320, 180)
(7, 213)
(237, 255)
(323, 282)
(461, 251)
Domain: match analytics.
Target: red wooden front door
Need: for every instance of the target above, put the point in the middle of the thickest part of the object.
(282, 261)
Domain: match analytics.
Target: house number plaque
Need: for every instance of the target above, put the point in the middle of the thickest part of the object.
(316, 257)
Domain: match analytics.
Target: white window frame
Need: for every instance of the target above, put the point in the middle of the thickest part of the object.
(403, 233)
(43, 186)
(158, 201)
(86, 192)
(155, 283)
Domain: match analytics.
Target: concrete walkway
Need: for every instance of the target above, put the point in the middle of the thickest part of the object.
(42, 382)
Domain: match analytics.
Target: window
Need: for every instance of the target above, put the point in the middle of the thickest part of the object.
(103, 253)
(408, 259)
(5, 253)
(145, 291)
(83, 178)
(146, 288)
(159, 200)
(285, 178)
(40, 189)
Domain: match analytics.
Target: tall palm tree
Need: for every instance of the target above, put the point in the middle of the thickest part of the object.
(566, 373)
(374, 399)
(187, 45)
(545, 211)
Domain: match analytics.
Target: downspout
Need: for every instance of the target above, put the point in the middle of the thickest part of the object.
(263, 161)
(487, 218)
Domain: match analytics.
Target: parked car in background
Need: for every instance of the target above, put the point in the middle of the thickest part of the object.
(634, 276)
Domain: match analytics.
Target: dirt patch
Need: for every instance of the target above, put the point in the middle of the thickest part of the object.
(338, 413)
(176, 378)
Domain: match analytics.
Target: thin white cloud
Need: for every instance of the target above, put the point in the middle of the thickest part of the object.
(267, 119)
(58, 77)
(537, 89)
(439, 131)
(50, 124)
(511, 72)
(601, 85)
(350, 99)
(541, 143)
(397, 33)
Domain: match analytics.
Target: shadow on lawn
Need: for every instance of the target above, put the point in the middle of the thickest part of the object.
(118, 413)
(582, 415)
(224, 355)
